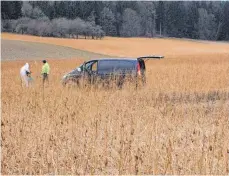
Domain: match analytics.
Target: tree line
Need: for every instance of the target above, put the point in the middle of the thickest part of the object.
(207, 20)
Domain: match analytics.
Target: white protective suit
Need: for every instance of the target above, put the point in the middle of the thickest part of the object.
(24, 77)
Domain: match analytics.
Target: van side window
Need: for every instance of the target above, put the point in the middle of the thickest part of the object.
(106, 67)
(126, 65)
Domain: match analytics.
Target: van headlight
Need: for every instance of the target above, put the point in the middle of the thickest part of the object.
(65, 76)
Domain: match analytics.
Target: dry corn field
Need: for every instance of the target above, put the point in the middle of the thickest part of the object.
(177, 124)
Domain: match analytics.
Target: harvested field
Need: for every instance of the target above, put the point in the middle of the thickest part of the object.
(177, 124)
(132, 47)
(17, 50)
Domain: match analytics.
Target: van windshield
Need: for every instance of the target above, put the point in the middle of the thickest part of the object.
(81, 67)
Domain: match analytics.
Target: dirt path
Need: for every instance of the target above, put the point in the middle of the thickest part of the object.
(14, 50)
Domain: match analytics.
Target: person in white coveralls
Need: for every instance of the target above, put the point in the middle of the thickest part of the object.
(25, 74)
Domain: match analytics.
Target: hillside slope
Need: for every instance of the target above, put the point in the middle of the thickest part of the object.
(13, 49)
(132, 47)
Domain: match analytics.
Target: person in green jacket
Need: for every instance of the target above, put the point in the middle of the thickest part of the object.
(45, 71)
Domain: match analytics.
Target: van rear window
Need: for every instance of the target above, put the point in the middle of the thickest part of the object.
(115, 66)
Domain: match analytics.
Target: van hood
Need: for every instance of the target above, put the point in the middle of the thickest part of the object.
(72, 73)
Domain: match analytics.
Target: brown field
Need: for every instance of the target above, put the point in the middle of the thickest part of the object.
(21, 50)
(177, 124)
(132, 47)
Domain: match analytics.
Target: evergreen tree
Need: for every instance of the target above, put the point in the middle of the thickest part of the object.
(11, 9)
(196, 19)
(206, 25)
(107, 21)
(192, 20)
(175, 19)
(224, 34)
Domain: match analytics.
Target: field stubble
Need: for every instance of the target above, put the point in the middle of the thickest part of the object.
(131, 47)
(177, 124)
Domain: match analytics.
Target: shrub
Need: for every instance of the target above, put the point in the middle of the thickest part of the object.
(59, 27)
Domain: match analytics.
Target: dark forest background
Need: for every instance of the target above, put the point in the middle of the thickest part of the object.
(95, 19)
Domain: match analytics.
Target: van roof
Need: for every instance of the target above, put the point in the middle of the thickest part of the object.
(117, 59)
(132, 59)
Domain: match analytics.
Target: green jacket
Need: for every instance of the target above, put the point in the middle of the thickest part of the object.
(45, 68)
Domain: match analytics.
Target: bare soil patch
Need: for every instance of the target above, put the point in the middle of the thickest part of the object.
(17, 50)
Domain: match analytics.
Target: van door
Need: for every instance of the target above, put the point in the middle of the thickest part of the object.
(90, 71)
(94, 72)
(141, 63)
(107, 71)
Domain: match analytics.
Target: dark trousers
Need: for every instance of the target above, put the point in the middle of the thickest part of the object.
(45, 77)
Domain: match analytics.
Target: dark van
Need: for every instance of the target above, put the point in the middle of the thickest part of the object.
(107, 70)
